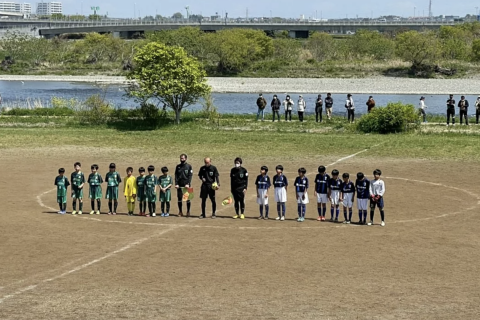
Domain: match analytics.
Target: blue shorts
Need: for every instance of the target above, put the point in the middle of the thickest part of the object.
(380, 204)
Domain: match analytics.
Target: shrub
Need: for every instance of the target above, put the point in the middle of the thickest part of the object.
(394, 118)
(95, 111)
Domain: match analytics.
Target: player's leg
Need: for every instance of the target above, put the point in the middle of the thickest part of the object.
(279, 210)
(345, 214)
(381, 206)
(372, 211)
(319, 208)
(180, 203)
(99, 206)
(162, 206)
(324, 206)
(74, 201)
(299, 206)
(204, 205)
(115, 200)
(213, 199)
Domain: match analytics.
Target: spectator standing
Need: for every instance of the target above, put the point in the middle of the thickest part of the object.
(350, 108)
(301, 106)
(288, 104)
(477, 109)
(275, 104)
(370, 104)
(261, 104)
(319, 108)
(422, 107)
(329, 106)
(463, 106)
(451, 110)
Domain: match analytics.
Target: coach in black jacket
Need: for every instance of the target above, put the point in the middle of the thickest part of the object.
(209, 175)
(238, 186)
(183, 179)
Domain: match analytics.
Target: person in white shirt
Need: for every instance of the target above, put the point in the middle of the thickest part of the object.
(377, 191)
(301, 106)
(422, 106)
(350, 108)
(288, 105)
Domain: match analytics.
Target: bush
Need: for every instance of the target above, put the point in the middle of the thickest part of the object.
(95, 111)
(394, 118)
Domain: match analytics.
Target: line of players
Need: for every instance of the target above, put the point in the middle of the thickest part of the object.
(338, 192)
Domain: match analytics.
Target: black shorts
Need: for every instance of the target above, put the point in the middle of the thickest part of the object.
(207, 191)
(378, 203)
(238, 195)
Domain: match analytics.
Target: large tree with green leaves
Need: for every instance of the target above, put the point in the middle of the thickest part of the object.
(418, 47)
(167, 75)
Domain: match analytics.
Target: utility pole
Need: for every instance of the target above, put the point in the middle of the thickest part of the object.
(430, 14)
(187, 8)
(246, 15)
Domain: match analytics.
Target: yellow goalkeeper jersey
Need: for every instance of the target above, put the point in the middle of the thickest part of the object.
(130, 187)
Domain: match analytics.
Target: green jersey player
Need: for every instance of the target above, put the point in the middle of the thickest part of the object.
(62, 184)
(78, 180)
(113, 180)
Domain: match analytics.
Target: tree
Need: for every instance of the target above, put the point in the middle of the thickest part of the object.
(321, 46)
(177, 16)
(168, 75)
(456, 42)
(372, 44)
(418, 48)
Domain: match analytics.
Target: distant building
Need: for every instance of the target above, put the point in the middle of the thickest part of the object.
(49, 8)
(16, 7)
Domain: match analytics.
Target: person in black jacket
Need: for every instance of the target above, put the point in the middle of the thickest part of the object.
(319, 108)
(329, 106)
(183, 179)
(275, 104)
(451, 110)
(463, 106)
(210, 182)
(238, 187)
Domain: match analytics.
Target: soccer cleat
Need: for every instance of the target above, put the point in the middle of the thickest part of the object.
(188, 214)
(167, 214)
(345, 222)
(236, 216)
(114, 213)
(98, 212)
(323, 218)
(80, 212)
(214, 216)
(277, 218)
(383, 224)
(180, 214)
(92, 212)
(154, 215)
(331, 219)
(260, 218)
(319, 219)
(299, 219)
(201, 217)
(348, 222)
(242, 216)
(336, 219)
(370, 223)
(109, 213)
(60, 212)
(74, 212)
(282, 218)
(64, 212)
(162, 215)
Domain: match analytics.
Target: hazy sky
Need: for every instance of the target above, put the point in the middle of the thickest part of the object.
(282, 8)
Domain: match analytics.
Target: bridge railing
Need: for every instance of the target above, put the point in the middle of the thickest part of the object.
(140, 22)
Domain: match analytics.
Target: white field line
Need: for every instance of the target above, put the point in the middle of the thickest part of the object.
(122, 249)
(83, 266)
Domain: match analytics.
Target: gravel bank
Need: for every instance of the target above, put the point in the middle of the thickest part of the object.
(378, 85)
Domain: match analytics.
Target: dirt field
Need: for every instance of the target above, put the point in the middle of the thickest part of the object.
(423, 265)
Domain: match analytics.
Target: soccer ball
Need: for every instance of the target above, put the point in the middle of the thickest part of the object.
(214, 186)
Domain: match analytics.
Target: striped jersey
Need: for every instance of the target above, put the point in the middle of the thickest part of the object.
(334, 184)
(263, 182)
(280, 181)
(363, 188)
(321, 183)
(140, 181)
(151, 182)
(301, 184)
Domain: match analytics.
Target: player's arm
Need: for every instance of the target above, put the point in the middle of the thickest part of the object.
(55, 182)
(246, 179)
(316, 186)
(200, 175)
(134, 187)
(190, 176)
(286, 183)
(67, 183)
(176, 177)
(119, 179)
(256, 187)
(83, 182)
(217, 177)
(381, 192)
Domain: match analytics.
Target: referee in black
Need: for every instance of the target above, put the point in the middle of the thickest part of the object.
(209, 175)
(183, 179)
(238, 186)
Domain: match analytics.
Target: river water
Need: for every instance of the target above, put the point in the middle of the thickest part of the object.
(23, 94)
